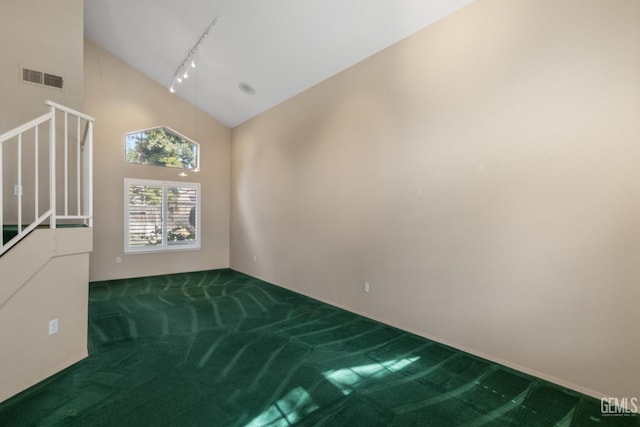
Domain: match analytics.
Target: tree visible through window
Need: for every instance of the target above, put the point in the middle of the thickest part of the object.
(161, 215)
(161, 147)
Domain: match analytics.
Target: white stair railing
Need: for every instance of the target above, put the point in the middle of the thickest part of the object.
(48, 162)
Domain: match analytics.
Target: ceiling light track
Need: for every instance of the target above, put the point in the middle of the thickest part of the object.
(182, 72)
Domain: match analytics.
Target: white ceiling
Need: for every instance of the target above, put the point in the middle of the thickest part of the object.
(280, 47)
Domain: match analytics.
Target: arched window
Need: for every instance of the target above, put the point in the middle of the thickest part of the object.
(162, 146)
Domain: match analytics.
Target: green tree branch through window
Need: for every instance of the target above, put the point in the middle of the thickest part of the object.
(161, 147)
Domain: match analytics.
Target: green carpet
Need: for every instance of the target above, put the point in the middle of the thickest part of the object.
(220, 348)
(9, 232)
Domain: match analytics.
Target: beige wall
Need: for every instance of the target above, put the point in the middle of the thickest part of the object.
(480, 175)
(56, 263)
(46, 36)
(123, 100)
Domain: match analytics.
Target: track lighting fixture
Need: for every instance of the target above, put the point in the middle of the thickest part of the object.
(182, 72)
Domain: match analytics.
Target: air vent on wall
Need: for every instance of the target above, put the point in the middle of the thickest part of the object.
(53, 81)
(31, 76)
(40, 78)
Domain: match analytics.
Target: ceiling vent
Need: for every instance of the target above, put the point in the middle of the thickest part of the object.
(40, 78)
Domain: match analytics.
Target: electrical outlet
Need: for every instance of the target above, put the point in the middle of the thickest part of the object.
(17, 190)
(255, 258)
(365, 287)
(53, 326)
(118, 260)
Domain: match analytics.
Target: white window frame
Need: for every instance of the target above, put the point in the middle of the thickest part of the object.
(165, 129)
(164, 245)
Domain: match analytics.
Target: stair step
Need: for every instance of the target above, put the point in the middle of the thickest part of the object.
(10, 231)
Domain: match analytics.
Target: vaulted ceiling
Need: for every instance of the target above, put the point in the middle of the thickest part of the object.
(277, 47)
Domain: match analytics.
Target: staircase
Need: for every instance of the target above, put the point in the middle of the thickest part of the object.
(46, 174)
(46, 218)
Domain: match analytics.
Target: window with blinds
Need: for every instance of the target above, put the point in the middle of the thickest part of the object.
(161, 216)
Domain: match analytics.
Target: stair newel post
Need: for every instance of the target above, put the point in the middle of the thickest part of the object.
(19, 192)
(1, 199)
(52, 167)
(88, 180)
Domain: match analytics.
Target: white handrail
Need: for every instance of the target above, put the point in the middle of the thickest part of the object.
(77, 173)
(25, 127)
(12, 242)
(71, 111)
